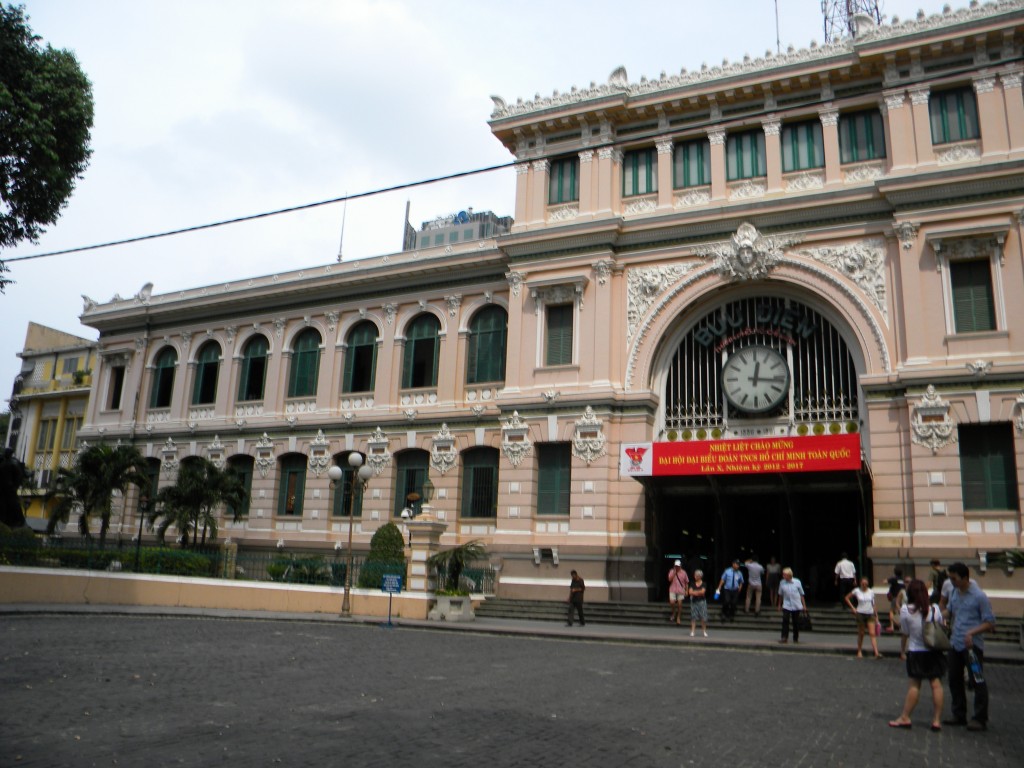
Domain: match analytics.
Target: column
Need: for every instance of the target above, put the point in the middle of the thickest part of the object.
(522, 211)
(995, 139)
(716, 137)
(609, 168)
(898, 130)
(424, 541)
(1013, 106)
(586, 201)
(773, 152)
(665, 148)
(539, 188)
(922, 125)
(830, 138)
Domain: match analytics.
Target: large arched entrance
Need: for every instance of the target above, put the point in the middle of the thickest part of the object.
(758, 447)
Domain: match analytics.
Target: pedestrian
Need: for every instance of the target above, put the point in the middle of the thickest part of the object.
(792, 604)
(698, 603)
(972, 616)
(754, 573)
(939, 578)
(773, 576)
(867, 615)
(12, 475)
(896, 585)
(898, 603)
(677, 582)
(729, 590)
(846, 576)
(576, 590)
(923, 663)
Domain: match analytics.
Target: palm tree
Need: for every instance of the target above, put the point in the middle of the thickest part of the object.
(450, 563)
(189, 505)
(89, 485)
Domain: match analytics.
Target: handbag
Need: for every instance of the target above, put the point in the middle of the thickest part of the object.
(803, 621)
(935, 636)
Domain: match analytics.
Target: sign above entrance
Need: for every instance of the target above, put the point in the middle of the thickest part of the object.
(818, 453)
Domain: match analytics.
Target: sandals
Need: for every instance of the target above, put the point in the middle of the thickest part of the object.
(898, 724)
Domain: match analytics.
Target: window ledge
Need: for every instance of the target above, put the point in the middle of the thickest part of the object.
(566, 367)
(974, 335)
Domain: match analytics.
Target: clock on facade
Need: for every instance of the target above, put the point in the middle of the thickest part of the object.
(755, 379)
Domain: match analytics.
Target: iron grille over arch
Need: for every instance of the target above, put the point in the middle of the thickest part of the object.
(823, 381)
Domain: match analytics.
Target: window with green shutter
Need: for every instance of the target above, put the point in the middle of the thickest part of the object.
(861, 136)
(253, 372)
(163, 379)
(691, 164)
(558, 342)
(480, 482)
(343, 498)
(553, 478)
(563, 180)
(953, 115)
(293, 485)
(988, 467)
(305, 364)
(242, 467)
(744, 155)
(204, 388)
(802, 146)
(640, 172)
(410, 474)
(360, 359)
(485, 349)
(422, 346)
(973, 305)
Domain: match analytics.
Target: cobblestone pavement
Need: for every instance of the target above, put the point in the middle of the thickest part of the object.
(96, 690)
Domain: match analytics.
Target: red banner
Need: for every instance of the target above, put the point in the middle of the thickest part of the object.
(756, 455)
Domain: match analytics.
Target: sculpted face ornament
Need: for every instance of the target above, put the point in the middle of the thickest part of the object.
(748, 255)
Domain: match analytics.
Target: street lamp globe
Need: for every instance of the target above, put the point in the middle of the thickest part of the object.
(334, 473)
(365, 473)
(355, 459)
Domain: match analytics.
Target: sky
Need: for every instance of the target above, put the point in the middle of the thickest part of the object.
(211, 110)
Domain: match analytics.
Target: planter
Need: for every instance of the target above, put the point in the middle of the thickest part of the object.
(452, 608)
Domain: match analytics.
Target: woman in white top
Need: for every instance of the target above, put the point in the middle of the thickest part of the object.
(867, 616)
(923, 663)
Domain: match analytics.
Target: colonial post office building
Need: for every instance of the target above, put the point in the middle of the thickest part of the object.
(774, 306)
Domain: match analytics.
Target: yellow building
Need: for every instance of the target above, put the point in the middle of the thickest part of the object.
(47, 406)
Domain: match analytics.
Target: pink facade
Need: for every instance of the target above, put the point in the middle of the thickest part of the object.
(851, 212)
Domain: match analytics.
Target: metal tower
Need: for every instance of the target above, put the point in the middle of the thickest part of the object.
(838, 16)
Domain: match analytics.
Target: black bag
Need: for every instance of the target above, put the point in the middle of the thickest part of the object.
(803, 621)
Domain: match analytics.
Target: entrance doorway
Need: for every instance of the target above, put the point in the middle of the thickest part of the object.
(805, 520)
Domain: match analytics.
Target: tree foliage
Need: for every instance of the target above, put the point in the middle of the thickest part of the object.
(387, 555)
(190, 504)
(46, 113)
(88, 487)
(450, 563)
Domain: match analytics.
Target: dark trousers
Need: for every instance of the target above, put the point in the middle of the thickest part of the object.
(793, 616)
(729, 599)
(957, 663)
(578, 605)
(846, 587)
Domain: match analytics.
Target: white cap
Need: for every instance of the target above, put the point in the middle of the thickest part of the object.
(678, 563)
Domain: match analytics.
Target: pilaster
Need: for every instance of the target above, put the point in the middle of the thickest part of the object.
(899, 133)
(523, 189)
(716, 137)
(830, 138)
(539, 186)
(1013, 106)
(587, 196)
(609, 172)
(665, 148)
(773, 152)
(995, 139)
(922, 125)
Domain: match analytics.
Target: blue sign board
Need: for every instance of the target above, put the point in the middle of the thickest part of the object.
(391, 583)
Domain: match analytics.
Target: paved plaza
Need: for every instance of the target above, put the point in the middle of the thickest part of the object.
(105, 690)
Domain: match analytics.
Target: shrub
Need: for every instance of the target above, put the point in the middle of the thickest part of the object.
(387, 556)
(177, 562)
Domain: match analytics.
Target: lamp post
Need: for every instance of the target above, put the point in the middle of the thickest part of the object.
(361, 474)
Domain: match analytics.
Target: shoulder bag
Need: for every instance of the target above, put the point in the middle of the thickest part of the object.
(935, 636)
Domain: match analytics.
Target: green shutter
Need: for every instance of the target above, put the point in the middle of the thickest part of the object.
(559, 334)
(988, 471)
(973, 305)
(553, 479)
(480, 483)
(486, 346)
(305, 365)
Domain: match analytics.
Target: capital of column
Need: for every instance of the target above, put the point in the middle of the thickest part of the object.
(1010, 80)
(919, 96)
(586, 156)
(522, 168)
(985, 84)
(895, 100)
(716, 136)
(609, 153)
(772, 126)
(541, 166)
(664, 145)
(829, 116)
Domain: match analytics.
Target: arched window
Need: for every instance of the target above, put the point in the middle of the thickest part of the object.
(163, 378)
(204, 388)
(410, 473)
(343, 490)
(480, 482)
(305, 364)
(360, 359)
(422, 344)
(485, 356)
(293, 485)
(254, 369)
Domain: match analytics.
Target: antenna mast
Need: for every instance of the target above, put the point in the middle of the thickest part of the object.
(838, 16)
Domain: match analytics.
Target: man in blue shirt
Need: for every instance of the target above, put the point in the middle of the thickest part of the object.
(729, 587)
(971, 617)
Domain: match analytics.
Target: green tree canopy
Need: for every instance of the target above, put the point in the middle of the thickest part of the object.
(189, 505)
(88, 487)
(46, 113)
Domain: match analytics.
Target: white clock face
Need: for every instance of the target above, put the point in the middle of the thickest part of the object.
(755, 379)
